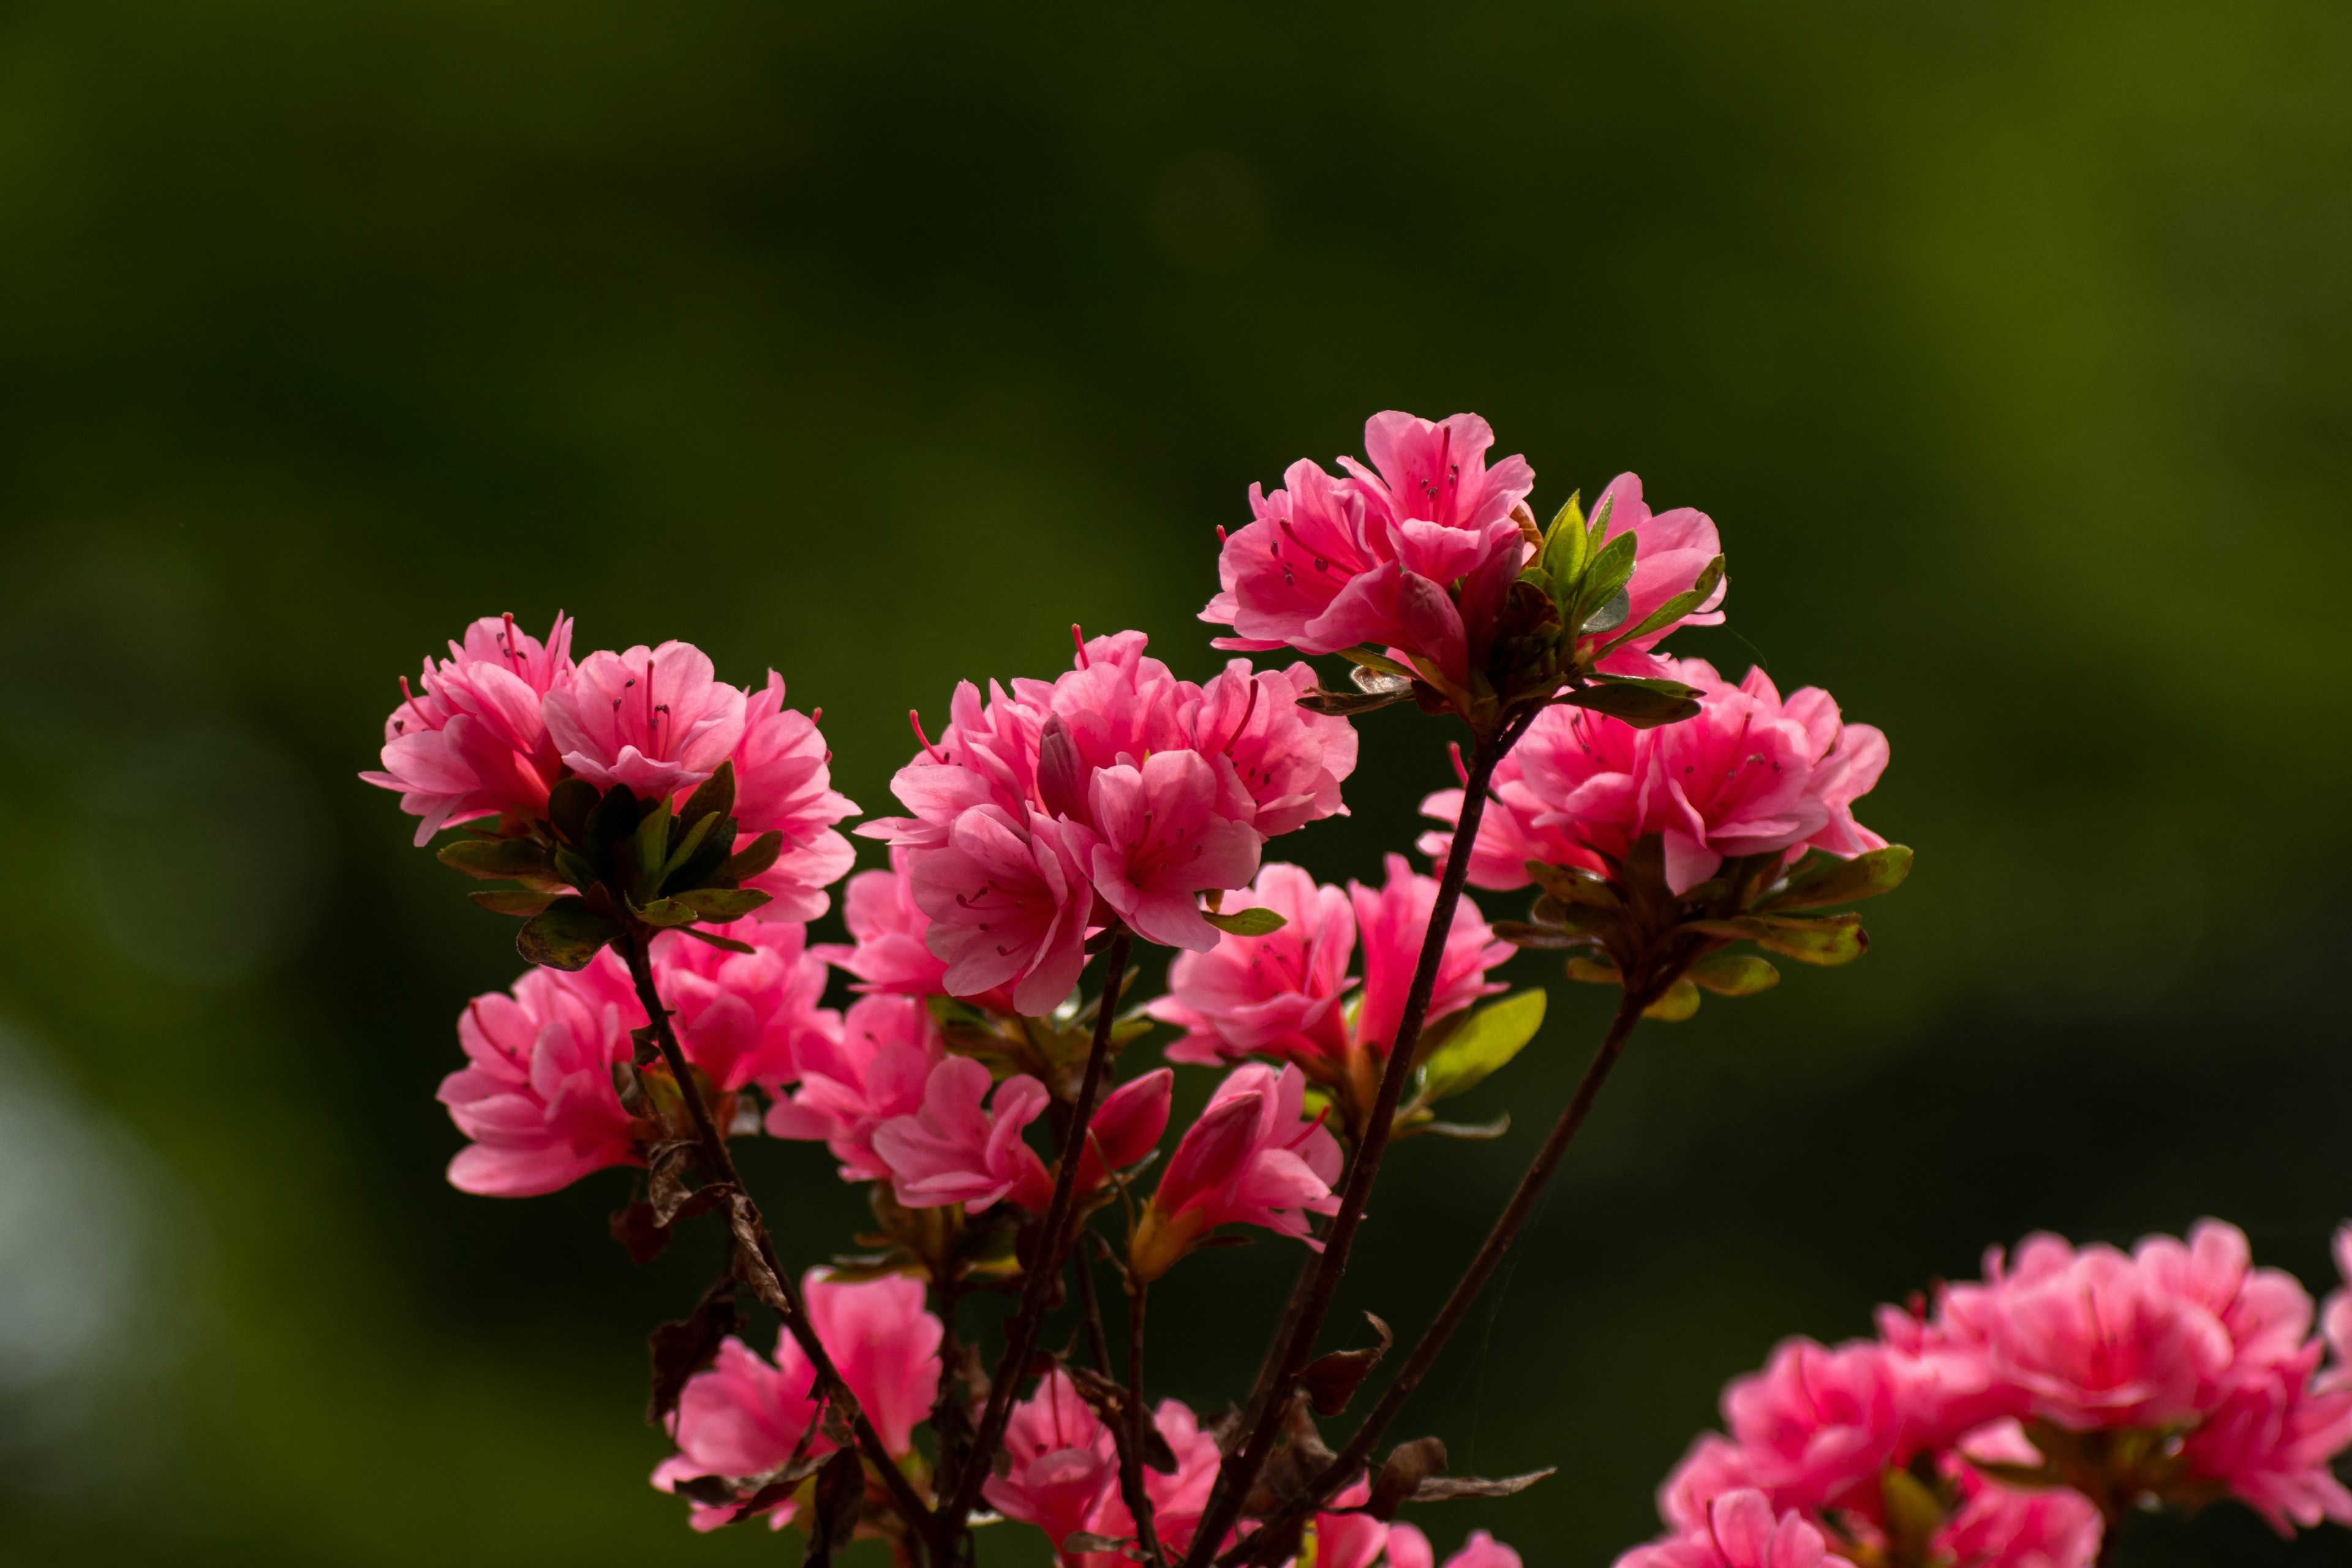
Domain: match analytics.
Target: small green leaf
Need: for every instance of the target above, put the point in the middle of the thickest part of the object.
(1675, 608)
(715, 798)
(1566, 549)
(1639, 703)
(512, 900)
(1573, 885)
(1826, 879)
(727, 943)
(690, 842)
(1679, 1002)
(1493, 1036)
(753, 858)
(722, 903)
(1519, 933)
(1246, 922)
(1838, 939)
(574, 868)
(1594, 972)
(564, 935)
(1597, 608)
(1734, 973)
(648, 850)
(666, 913)
(1372, 658)
(569, 806)
(497, 859)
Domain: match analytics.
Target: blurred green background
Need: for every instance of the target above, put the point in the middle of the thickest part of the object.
(2005, 342)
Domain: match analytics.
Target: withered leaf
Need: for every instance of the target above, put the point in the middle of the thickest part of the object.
(666, 1188)
(744, 1220)
(1330, 1381)
(1088, 1540)
(635, 1228)
(840, 1490)
(1441, 1489)
(711, 1491)
(1401, 1475)
(683, 1348)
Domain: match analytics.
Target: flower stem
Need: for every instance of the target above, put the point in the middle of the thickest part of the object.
(1130, 1457)
(1271, 1399)
(785, 1298)
(1045, 1268)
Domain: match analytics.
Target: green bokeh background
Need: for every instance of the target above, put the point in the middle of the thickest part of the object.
(878, 343)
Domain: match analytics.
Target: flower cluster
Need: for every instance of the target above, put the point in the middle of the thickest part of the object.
(1114, 793)
(505, 718)
(2028, 1412)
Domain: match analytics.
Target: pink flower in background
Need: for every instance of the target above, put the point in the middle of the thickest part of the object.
(887, 926)
(537, 1095)
(1291, 761)
(1817, 1425)
(1010, 906)
(1125, 1127)
(1714, 1466)
(1998, 1526)
(656, 719)
(1747, 775)
(745, 1416)
(1409, 1547)
(1163, 833)
(1671, 549)
(1178, 1497)
(874, 1069)
(1062, 1463)
(783, 783)
(1741, 1530)
(470, 743)
(1281, 995)
(1251, 1159)
(2336, 1312)
(2272, 1439)
(952, 1152)
(742, 1017)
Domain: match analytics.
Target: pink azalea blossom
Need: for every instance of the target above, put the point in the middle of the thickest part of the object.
(1817, 1425)
(875, 1070)
(656, 719)
(2271, 1440)
(537, 1095)
(1062, 1464)
(1998, 1526)
(1750, 774)
(1163, 833)
(1741, 1530)
(470, 742)
(741, 1018)
(1344, 1540)
(1714, 1466)
(1009, 906)
(1249, 1160)
(1290, 761)
(1409, 1547)
(745, 1416)
(1282, 994)
(952, 1152)
(783, 783)
(2335, 1314)
(1671, 549)
(887, 954)
(1179, 1498)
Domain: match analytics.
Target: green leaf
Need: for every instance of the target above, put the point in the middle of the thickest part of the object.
(1733, 973)
(690, 842)
(1827, 879)
(1838, 939)
(1371, 658)
(512, 900)
(1348, 704)
(1571, 885)
(1675, 608)
(1679, 1002)
(722, 903)
(1492, 1036)
(1519, 933)
(574, 868)
(666, 913)
(1640, 704)
(715, 940)
(497, 859)
(648, 850)
(569, 806)
(564, 935)
(1246, 922)
(1566, 549)
(1596, 597)
(753, 858)
(1594, 972)
(715, 798)
(1586, 919)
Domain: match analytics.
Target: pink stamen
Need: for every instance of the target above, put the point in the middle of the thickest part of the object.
(509, 645)
(916, 718)
(1079, 638)
(411, 697)
(1453, 750)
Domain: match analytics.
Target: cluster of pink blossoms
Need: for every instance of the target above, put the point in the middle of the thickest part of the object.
(505, 716)
(2065, 1389)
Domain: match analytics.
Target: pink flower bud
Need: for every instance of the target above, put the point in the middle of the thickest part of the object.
(1249, 1160)
(1126, 1126)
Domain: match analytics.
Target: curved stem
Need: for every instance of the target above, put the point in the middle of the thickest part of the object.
(1271, 1399)
(1353, 1458)
(786, 1297)
(1021, 1339)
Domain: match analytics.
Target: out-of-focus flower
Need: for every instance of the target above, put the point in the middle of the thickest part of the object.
(656, 719)
(783, 783)
(537, 1095)
(472, 744)
(1061, 1462)
(1409, 1547)
(849, 1086)
(1750, 775)
(1178, 1497)
(745, 1416)
(2272, 1439)
(1817, 1425)
(1741, 1530)
(1249, 1160)
(953, 1151)
(1998, 1526)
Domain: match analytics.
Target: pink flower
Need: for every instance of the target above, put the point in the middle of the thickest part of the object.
(1062, 1463)
(873, 1070)
(1741, 1531)
(1009, 905)
(783, 783)
(1671, 549)
(1998, 1526)
(537, 1098)
(1163, 833)
(1178, 1497)
(1817, 1425)
(1714, 1466)
(889, 956)
(654, 720)
(1409, 1547)
(1750, 774)
(741, 1017)
(1249, 1160)
(2335, 1314)
(743, 1416)
(952, 1152)
(1281, 995)
(473, 743)
(2272, 1440)
(1289, 761)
